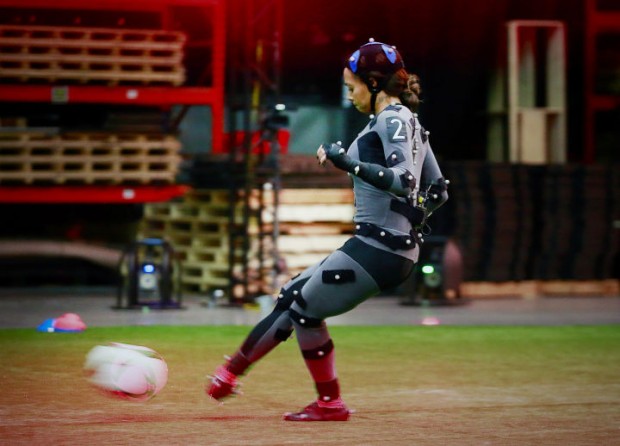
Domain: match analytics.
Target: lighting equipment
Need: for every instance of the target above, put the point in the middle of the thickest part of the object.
(149, 276)
(437, 276)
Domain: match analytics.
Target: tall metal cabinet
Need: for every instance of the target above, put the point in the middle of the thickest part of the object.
(527, 101)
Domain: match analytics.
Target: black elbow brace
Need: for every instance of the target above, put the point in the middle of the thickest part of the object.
(374, 174)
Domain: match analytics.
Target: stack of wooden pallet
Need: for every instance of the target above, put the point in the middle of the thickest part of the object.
(312, 223)
(197, 227)
(91, 55)
(88, 158)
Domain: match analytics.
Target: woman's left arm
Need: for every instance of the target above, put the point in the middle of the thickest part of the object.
(395, 173)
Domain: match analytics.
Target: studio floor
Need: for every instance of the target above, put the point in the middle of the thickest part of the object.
(29, 307)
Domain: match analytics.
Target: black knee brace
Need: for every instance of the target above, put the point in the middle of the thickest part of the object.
(305, 321)
(290, 295)
(320, 352)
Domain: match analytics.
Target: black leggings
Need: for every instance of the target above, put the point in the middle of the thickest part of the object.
(339, 283)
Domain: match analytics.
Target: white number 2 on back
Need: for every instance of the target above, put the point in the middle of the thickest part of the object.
(396, 130)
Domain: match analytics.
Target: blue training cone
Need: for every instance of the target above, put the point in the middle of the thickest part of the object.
(47, 326)
(67, 323)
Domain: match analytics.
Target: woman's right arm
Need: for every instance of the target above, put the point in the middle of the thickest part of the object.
(433, 182)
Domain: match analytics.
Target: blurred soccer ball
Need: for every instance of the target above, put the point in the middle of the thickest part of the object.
(124, 371)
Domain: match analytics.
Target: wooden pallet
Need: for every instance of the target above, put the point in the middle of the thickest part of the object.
(206, 274)
(313, 223)
(109, 74)
(540, 288)
(197, 225)
(91, 55)
(85, 158)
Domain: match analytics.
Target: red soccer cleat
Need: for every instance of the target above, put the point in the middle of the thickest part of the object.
(223, 384)
(314, 412)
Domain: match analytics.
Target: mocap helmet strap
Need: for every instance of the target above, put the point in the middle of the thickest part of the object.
(374, 88)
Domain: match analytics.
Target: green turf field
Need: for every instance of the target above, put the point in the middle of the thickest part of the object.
(409, 385)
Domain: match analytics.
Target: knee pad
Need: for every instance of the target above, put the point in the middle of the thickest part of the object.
(290, 295)
(303, 320)
(319, 352)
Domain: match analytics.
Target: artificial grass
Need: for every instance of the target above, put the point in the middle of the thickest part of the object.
(410, 385)
(462, 355)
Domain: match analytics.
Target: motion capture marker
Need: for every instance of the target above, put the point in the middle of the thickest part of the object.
(415, 115)
(338, 276)
(302, 321)
(301, 301)
(357, 226)
(356, 170)
(382, 233)
(435, 196)
(341, 151)
(410, 177)
(447, 181)
(430, 320)
(353, 61)
(295, 292)
(380, 173)
(427, 133)
(371, 40)
(408, 241)
(280, 296)
(389, 52)
(339, 143)
(394, 157)
(371, 116)
(319, 352)
(326, 398)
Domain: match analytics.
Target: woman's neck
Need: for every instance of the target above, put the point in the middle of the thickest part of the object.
(383, 100)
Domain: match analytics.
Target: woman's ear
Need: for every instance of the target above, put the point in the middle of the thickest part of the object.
(373, 82)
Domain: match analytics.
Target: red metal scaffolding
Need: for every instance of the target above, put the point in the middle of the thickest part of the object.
(208, 90)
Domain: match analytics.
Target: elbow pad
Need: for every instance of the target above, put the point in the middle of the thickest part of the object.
(374, 174)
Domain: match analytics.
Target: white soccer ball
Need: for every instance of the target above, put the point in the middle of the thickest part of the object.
(125, 371)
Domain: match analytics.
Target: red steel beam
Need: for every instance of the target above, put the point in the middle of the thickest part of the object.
(90, 194)
(164, 96)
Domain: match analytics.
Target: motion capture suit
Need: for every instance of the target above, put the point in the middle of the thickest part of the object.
(397, 183)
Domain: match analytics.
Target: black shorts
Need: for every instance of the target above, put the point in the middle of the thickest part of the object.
(386, 268)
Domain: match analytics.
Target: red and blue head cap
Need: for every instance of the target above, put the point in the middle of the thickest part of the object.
(375, 60)
(377, 57)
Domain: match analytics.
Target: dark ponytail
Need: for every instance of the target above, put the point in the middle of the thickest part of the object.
(406, 87)
(410, 97)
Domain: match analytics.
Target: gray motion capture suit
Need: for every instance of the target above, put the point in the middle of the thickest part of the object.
(397, 184)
